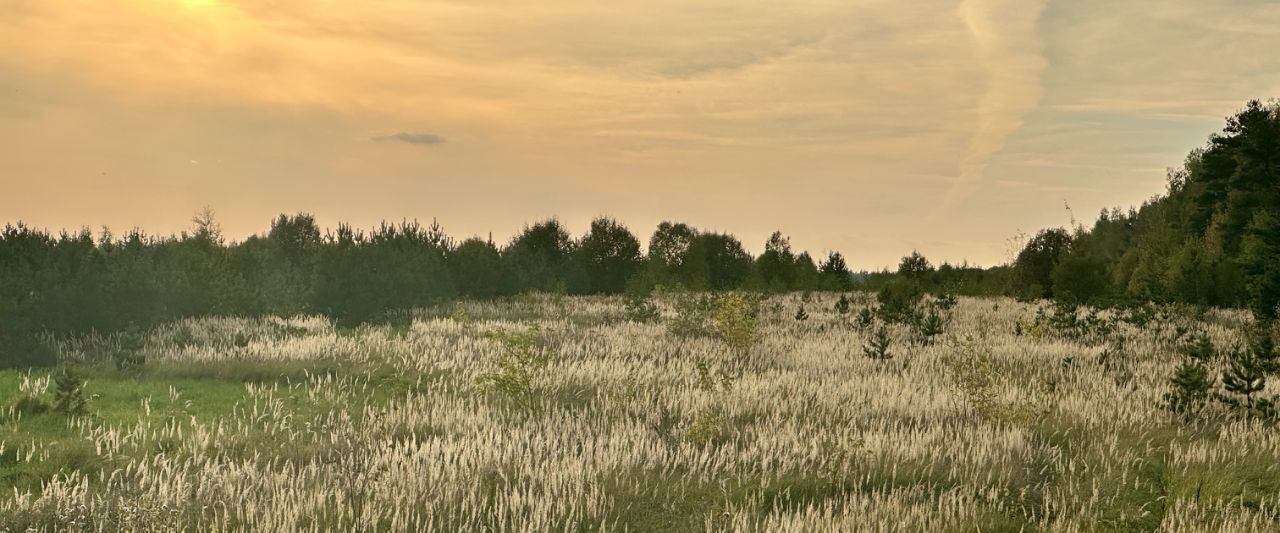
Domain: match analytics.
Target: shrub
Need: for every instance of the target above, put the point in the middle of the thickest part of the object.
(975, 374)
(1246, 376)
(735, 321)
(1190, 388)
(68, 394)
(693, 314)
(866, 317)
(707, 427)
(517, 367)
(801, 314)
(1199, 348)
(842, 305)
(898, 300)
(640, 309)
(928, 327)
(877, 347)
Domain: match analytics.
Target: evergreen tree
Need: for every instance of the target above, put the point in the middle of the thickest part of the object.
(834, 273)
(1190, 386)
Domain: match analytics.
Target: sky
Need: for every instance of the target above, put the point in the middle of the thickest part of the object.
(871, 127)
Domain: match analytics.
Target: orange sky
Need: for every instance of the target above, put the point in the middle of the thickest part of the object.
(872, 127)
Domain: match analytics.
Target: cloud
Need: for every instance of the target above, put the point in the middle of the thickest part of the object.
(854, 114)
(425, 139)
(1007, 44)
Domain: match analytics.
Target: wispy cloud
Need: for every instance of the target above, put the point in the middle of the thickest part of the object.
(1007, 44)
(848, 113)
(426, 139)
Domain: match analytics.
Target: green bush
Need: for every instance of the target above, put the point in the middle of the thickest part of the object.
(928, 327)
(842, 305)
(976, 376)
(692, 313)
(898, 300)
(735, 321)
(877, 347)
(517, 367)
(68, 394)
(1190, 387)
(640, 309)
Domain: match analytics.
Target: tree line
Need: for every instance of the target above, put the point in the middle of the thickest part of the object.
(1212, 239)
(76, 281)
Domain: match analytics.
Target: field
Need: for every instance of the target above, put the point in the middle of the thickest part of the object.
(466, 419)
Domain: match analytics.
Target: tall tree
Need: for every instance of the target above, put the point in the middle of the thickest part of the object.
(609, 254)
(538, 259)
(834, 273)
(476, 269)
(777, 265)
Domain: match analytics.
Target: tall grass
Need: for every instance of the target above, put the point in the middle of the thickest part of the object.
(286, 424)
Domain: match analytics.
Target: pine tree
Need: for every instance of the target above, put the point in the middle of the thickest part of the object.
(1199, 348)
(877, 347)
(68, 396)
(842, 305)
(866, 317)
(1191, 385)
(1246, 375)
(929, 326)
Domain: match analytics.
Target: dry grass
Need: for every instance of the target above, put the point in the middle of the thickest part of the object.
(386, 428)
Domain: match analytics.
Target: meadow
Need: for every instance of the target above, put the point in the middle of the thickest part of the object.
(557, 413)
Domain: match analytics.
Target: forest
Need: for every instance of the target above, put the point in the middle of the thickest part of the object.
(75, 283)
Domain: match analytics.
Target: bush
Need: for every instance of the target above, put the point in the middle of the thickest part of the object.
(68, 394)
(877, 347)
(640, 309)
(735, 321)
(928, 327)
(693, 314)
(1246, 377)
(898, 300)
(1190, 388)
(866, 317)
(708, 427)
(842, 305)
(517, 367)
(975, 374)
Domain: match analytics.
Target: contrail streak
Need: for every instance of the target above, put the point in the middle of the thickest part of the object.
(1007, 44)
